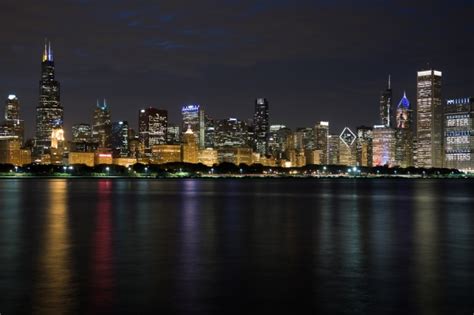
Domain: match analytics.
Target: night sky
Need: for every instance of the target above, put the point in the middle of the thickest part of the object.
(313, 60)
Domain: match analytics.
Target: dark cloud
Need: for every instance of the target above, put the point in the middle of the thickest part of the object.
(312, 59)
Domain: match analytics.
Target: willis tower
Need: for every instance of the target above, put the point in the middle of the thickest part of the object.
(49, 112)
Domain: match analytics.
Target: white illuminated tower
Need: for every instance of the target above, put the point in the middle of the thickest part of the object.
(429, 114)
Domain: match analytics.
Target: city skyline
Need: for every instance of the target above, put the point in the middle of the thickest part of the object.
(166, 58)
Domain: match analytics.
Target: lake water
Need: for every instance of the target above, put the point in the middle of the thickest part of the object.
(289, 246)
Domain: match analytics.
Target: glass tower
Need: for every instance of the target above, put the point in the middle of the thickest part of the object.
(261, 125)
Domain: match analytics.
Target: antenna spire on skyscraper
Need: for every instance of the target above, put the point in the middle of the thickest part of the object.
(389, 82)
(50, 52)
(45, 51)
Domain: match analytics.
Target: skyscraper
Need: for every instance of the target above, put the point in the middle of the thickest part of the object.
(429, 113)
(364, 146)
(459, 136)
(13, 126)
(404, 134)
(321, 134)
(189, 149)
(119, 139)
(383, 146)
(347, 147)
(261, 125)
(49, 112)
(152, 127)
(386, 106)
(102, 126)
(193, 116)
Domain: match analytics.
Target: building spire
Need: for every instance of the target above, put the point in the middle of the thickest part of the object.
(389, 82)
(45, 51)
(50, 52)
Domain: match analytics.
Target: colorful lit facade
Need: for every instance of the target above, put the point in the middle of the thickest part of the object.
(383, 146)
(404, 133)
(459, 133)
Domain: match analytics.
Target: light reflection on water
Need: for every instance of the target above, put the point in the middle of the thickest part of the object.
(198, 246)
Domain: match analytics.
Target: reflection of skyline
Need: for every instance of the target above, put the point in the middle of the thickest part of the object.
(102, 260)
(426, 248)
(199, 245)
(54, 292)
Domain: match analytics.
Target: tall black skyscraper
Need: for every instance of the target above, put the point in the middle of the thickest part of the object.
(262, 125)
(102, 127)
(49, 112)
(386, 106)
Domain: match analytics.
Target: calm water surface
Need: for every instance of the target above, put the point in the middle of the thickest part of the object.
(237, 246)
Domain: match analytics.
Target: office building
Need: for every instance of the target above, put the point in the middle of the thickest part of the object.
(404, 133)
(386, 106)
(429, 114)
(102, 126)
(347, 147)
(49, 112)
(189, 148)
(261, 125)
(383, 146)
(12, 125)
(321, 134)
(193, 117)
(364, 146)
(119, 139)
(459, 133)
(152, 127)
(166, 153)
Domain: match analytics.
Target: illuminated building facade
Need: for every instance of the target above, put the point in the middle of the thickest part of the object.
(277, 140)
(152, 127)
(429, 113)
(49, 112)
(347, 147)
(261, 125)
(119, 139)
(189, 148)
(208, 157)
(173, 134)
(82, 138)
(364, 146)
(193, 116)
(230, 133)
(235, 155)
(102, 126)
(166, 153)
(383, 146)
(12, 125)
(210, 132)
(81, 133)
(404, 133)
(321, 134)
(386, 106)
(459, 133)
(333, 149)
(86, 158)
